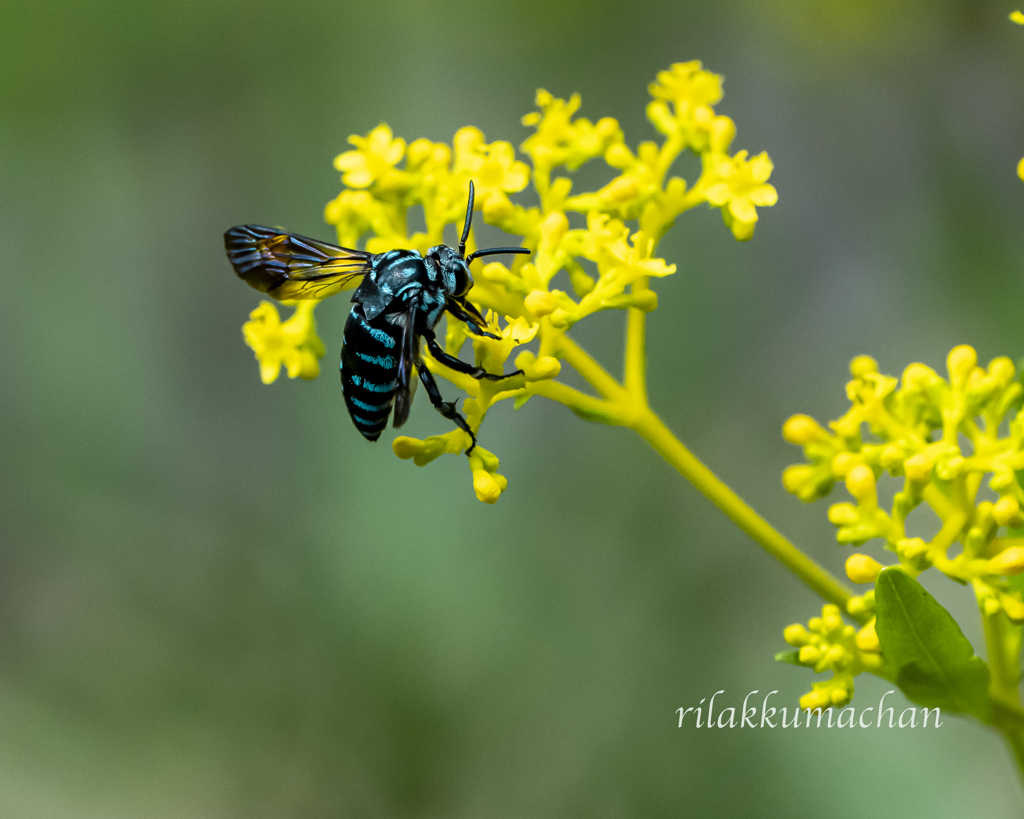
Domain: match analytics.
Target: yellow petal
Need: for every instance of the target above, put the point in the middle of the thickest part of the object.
(742, 210)
(717, 194)
(269, 370)
(761, 167)
(764, 196)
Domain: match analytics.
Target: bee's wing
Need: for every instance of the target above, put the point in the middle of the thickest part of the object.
(407, 361)
(289, 266)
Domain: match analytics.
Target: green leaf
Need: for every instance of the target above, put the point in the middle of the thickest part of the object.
(934, 663)
(791, 657)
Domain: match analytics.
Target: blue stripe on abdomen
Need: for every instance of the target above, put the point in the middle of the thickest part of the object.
(368, 372)
(384, 361)
(370, 407)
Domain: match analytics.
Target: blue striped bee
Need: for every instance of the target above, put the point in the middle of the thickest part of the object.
(400, 300)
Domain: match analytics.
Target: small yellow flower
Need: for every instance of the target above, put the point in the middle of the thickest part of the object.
(293, 344)
(492, 353)
(373, 160)
(740, 184)
(352, 213)
(1017, 17)
(687, 85)
(487, 483)
(494, 169)
(560, 140)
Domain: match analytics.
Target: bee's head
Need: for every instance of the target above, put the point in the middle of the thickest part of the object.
(453, 266)
(455, 276)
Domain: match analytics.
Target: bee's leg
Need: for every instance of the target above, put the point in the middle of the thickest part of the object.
(462, 314)
(458, 364)
(446, 408)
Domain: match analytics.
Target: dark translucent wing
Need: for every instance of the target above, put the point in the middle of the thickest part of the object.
(289, 266)
(406, 362)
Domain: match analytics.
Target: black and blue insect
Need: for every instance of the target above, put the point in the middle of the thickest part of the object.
(401, 299)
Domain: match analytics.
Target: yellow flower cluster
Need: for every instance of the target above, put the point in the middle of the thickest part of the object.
(607, 264)
(829, 644)
(292, 344)
(941, 437)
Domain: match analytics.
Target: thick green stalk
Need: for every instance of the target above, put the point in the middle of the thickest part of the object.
(1003, 663)
(652, 430)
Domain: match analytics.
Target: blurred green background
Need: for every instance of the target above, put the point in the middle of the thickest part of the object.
(217, 600)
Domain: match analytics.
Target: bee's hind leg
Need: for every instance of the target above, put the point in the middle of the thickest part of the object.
(446, 408)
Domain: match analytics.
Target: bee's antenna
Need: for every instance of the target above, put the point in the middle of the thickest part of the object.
(469, 218)
(491, 251)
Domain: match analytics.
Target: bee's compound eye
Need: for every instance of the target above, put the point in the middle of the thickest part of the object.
(463, 280)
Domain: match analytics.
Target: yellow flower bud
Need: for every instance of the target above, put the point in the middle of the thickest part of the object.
(802, 429)
(959, 363)
(541, 303)
(891, 456)
(1002, 480)
(794, 477)
(843, 463)
(543, 368)
(832, 623)
(618, 156)
(863, 365)
(486, 487)
(809, 655)
(815, 699)
(836, 654)
(911, 547)
(1007, 511)
(422, 452)
(497, 209)
(856, 606)
(867, 638)
(1008, 561)
(991, 606)
(862, 568)
(796, 635)
(949, 468)
(860, 482)
(919, 467)
(405, 447)
(842, 514)
(871, 660)
(840, 696)
(1013, 606)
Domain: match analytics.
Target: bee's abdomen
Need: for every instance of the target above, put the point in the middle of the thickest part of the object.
(369, 371)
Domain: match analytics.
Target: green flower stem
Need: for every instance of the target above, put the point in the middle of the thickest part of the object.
(635, 372)
(652, 430)
(1003, 659)
(628, 409)
(594, 373)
